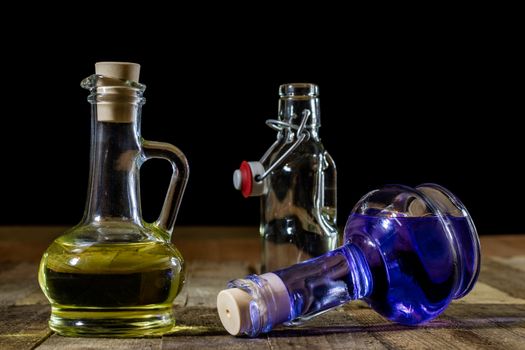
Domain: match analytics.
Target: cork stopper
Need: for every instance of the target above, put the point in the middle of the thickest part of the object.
(118, 70)
(235, 309)
(233, 306)
(115, 111)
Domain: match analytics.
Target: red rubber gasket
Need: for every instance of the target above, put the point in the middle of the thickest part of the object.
(246, 177)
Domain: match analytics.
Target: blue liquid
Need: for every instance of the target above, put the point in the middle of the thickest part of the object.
(322, 283)
(407, 268)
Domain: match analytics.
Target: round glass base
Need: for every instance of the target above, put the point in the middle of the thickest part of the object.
(111, 322)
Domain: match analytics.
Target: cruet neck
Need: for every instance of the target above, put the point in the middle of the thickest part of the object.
(115, 91)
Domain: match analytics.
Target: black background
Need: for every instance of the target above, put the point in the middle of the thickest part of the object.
(401, 102)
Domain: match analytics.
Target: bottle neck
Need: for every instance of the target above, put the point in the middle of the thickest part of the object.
(310, 288)
(113, 192)
(292, 109)
(334, 278)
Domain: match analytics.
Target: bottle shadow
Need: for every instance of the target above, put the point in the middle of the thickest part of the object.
(458, 316)
(193, 321)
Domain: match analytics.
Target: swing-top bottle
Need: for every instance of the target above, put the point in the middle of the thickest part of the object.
(296, 180)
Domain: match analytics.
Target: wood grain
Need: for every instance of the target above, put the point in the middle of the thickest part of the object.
(211, 243)
(492, 316)
(23, 327)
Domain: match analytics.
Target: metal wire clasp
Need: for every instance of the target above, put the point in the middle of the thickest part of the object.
(302, 135)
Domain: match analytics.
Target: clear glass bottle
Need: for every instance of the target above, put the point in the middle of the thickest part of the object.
(114, 274)
(297, 181)
(408, 252)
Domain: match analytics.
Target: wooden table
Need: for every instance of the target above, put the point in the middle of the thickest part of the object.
(492, 316)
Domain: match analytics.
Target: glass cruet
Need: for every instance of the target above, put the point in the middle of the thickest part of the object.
(114, 274)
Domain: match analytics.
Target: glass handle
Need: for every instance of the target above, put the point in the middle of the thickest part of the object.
(179, 179)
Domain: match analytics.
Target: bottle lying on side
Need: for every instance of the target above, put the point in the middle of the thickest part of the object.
(408, 252)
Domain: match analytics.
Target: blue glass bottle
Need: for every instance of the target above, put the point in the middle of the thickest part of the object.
(408, 252)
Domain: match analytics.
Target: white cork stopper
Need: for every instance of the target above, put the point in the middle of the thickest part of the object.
(118, 70)
(233, 305)
(111, 111)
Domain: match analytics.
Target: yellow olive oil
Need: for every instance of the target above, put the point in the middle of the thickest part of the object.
(111, 289)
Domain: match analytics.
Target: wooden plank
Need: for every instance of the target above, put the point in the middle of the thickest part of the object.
(503, 325)
(246, 249)
(327, 341)
(502, 245)
(492, 312)
(446, 331)
(199, 327)
(331, 331)
(438, 334)
(26, 243)
(206, 279)
(487, 295)
(213, 342)
(212, 243)
(67, 343)
(503, 277)
(492, 316)
(196, 320)
(20, 285)
(515, 262)
(24, 311)
(336, 329)
(489, 318)
(357, 326)
(23, 327)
